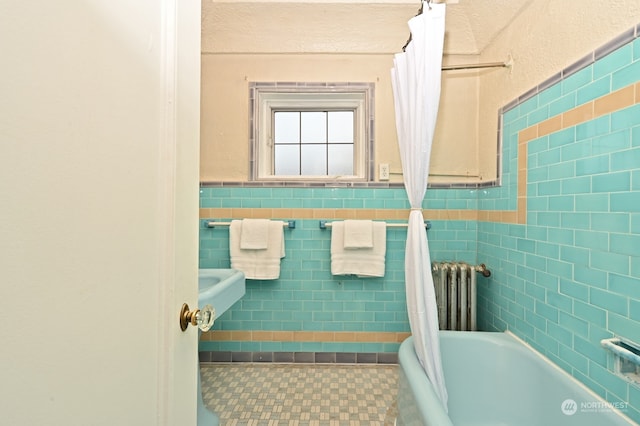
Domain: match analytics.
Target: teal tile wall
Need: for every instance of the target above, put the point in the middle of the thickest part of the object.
(307, 297)
(333, 198)
(571, 276)
(565, 280)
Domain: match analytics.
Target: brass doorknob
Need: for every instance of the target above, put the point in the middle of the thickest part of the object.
(203, 319)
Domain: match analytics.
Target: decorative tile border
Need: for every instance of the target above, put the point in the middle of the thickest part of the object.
(376, 214)
(309, 184)
(613, 44)
(304, 336)
(614, 101)
(301, 357)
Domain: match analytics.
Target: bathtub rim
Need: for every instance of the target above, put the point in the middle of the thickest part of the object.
(577, 382)
(436, 411)
(433, 408)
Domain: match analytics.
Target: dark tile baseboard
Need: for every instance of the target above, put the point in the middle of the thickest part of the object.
(301, 357)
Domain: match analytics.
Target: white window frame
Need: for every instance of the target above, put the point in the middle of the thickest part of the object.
(269, 97)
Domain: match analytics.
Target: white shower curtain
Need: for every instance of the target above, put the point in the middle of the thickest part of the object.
(416, 88)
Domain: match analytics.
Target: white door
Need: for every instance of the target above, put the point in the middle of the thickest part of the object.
(99, 128)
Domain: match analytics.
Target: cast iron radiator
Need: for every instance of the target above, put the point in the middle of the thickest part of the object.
(455, 286)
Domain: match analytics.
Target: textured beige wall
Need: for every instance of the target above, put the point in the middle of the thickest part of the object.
(545, 38)
(225, 108)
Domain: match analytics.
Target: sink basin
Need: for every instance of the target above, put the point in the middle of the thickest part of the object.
(220, 288)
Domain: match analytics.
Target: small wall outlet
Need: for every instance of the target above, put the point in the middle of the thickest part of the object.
(384, 172)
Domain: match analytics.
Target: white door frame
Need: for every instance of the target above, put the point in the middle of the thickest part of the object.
(99, 147)
(180, 194)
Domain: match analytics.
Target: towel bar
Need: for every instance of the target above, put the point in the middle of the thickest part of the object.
(291, 224)
(324, 225)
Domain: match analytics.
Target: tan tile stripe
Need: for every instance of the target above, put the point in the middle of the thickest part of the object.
(607, 104)
(379, 214)
(304, 336)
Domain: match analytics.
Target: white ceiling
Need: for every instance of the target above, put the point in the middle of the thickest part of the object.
(345, 26)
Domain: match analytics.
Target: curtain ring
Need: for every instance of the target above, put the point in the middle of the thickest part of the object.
(422, 6)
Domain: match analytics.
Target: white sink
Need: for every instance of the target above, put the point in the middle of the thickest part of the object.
(220, 288)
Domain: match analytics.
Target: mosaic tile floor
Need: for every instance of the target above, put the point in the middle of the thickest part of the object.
(251, 394)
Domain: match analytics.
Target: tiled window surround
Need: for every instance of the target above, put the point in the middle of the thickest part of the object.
(561, 236)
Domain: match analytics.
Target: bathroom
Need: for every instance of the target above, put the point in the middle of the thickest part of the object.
(560, 233)
(96, 255)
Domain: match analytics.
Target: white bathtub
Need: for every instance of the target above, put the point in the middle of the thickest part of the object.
(495, 379)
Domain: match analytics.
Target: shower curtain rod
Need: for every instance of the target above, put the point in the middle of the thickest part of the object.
(476, 66)
(462, 66)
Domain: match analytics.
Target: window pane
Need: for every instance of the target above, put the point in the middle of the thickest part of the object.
(340, 126)
(314, 127)
(341, 163)
(314, 160)
(286, 127)
(287, 160)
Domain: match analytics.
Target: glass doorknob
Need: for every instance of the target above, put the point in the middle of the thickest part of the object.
(205, 317)
(201, 318)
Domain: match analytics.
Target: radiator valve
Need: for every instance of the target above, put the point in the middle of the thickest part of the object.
(483, 270)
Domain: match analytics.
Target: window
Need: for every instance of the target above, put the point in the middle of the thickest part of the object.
(311, 132)
(313, 143)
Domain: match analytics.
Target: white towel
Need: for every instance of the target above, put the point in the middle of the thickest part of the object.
(358, 234)
(364, 262)
(257, 264)
(254, 234)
